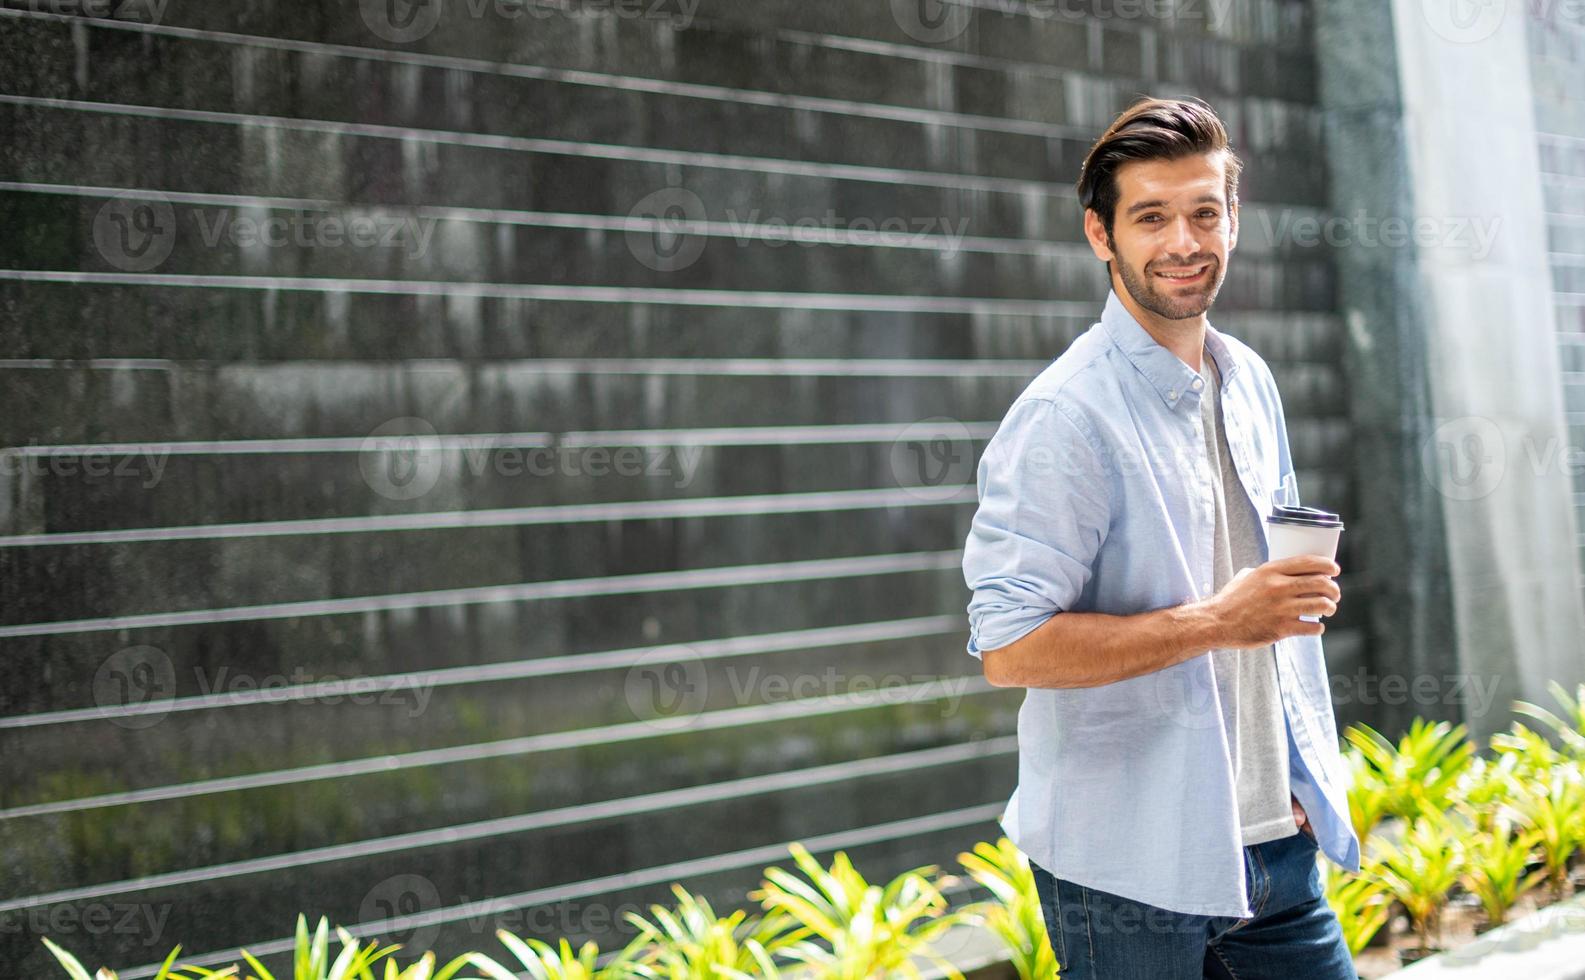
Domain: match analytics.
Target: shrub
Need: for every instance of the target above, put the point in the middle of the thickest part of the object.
(693, 943)
(1570, 728)
(1422, 869)
(1496, 869)
(864, 930)
(310, 961)
(1553, 806)
(1361, 903)
(546, 962)
(1014, 914)
(1422, 770)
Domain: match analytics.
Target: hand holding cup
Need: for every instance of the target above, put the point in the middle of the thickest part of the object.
(1273, 601)
(1304, 531)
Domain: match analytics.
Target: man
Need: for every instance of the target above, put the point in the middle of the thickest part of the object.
(1178, 756)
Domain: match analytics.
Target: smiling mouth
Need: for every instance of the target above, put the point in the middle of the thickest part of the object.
(1185, 276)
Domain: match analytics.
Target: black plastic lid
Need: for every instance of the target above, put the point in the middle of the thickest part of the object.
(1304, 516)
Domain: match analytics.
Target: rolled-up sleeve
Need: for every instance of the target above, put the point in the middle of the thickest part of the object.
(1044, 507)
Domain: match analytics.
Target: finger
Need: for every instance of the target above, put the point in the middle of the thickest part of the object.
(1294, 626)
(1316, 585)
(1306, 565)
(1316, 605)
(1311, 597)
(1319, 606)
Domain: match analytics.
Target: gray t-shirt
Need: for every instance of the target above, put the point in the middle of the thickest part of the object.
(1246, 680)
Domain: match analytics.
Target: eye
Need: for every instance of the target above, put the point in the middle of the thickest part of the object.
(1150, 217)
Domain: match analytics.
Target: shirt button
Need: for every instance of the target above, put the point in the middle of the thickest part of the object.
(1198, 384)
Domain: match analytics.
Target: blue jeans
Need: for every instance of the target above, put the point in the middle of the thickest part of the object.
(1100, 936)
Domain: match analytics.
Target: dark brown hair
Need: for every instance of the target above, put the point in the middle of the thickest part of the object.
(1152, 129)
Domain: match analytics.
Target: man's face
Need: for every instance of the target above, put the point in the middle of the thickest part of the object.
(1171, 234)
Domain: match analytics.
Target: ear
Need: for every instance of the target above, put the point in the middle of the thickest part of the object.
(1096, 233)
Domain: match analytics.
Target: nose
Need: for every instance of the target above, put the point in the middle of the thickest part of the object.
(1181, 240)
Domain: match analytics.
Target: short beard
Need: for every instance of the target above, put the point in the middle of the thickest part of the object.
(1140, 287)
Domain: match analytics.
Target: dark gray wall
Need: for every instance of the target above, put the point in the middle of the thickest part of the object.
(603, 192)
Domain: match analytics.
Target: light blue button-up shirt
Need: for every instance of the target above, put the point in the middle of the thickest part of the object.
(1095, 495)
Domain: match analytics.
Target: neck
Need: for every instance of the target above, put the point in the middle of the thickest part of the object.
(1185, 338)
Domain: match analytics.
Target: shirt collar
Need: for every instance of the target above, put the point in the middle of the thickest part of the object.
(1171, 378)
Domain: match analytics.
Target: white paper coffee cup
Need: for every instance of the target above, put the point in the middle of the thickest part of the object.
(1294, 531)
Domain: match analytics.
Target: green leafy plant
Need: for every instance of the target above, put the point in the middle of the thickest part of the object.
(1554, 808)
(546, 962)
(1421, 870)
(1495, 870)
(1486, 788)
(1014, 914)
(1534, 756)
(1369, 796)
(693, 943)
(1360, 902)
(311, 959)
(1570, 728)
(864, 930)
(1421, 771)
(77, 971)
(1523, 810)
